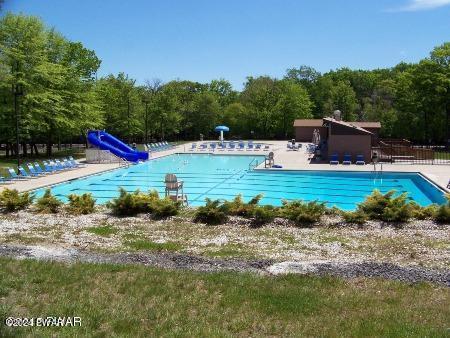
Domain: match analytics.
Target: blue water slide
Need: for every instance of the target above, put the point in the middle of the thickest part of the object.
(104, 141)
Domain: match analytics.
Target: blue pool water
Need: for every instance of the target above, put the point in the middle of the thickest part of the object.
(225, 176)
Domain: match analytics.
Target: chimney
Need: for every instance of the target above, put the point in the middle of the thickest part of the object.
(337, 115)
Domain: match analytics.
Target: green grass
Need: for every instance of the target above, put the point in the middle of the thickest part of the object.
(142, 244)
(136, 301)
(105, 230)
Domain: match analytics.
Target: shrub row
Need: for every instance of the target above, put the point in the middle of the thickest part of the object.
(388, 207)
(12, 200)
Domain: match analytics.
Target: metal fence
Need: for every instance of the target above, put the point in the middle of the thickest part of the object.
(412, 154)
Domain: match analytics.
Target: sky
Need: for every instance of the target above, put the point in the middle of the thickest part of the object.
(201, 40)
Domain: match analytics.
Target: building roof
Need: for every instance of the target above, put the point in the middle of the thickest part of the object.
(319, 123)
(348, 125)
(308, 123)
(367, 124)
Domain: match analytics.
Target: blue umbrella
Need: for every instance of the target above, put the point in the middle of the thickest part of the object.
(221, 129)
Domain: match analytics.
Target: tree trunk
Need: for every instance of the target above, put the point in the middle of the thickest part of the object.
(49, 144)
(24, 149)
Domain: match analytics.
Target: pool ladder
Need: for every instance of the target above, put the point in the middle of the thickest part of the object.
(253, 164)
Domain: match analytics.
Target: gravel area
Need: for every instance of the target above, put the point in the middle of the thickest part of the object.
(201, 264)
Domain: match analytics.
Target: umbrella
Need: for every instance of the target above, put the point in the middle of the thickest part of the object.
(221, 129)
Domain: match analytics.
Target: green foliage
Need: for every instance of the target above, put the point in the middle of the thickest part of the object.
(165, 207)
(303, 213)
(81, 204)
(354, 217)
(443, 212)
(264, 214)
(131, 204)
(238, 207)
(11, 200)
(48, 203)
(387, 207)
(214, 212)
(419, 212)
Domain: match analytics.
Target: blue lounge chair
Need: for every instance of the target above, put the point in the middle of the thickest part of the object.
(212, 146)
(347, 159)
(48, 167)
(193, 147)
(38, 169)
(222, 146)
(250, 146)
(203, 146)
(334, 159)
(241, 146)
(13, 175)
(4, 180)
(33, 171)
(231, 146)
(266, 147)
(360, 160)
(24, 173)
(258, 146)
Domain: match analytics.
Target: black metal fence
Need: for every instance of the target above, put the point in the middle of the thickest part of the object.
(412, 154)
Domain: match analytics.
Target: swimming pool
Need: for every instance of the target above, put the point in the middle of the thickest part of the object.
(225, 176)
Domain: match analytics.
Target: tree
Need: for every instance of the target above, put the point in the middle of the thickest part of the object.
(293, 103)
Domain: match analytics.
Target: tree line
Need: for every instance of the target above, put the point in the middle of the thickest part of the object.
(50, 93)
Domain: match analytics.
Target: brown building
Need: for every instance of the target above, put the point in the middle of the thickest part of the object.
(304, 129)
(341, 137)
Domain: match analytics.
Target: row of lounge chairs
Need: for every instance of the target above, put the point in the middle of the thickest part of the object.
(230, 146)
(36, 170)
(159, 146)
(347, 160)
(293, 146)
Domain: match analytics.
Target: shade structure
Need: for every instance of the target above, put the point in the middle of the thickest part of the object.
(221, 129)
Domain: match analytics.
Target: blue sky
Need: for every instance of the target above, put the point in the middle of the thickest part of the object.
(202, 40)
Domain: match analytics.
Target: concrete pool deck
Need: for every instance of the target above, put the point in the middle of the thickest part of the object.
(288, 159)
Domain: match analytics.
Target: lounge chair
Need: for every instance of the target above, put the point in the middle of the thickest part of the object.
(241, 146)
(250, 146)
(13, 175)
(75, 163)
(269, 160)
(334, 159)
(38, 169)
(33, 171)
(203, 146)
(258, 146)
(4, 180)
(360, 160)
(193, 147)
(231, 146)
(266, 147)
(222, 146)
(61, 165)
(212, 146)
(48, 167)
(347, 159)
(24, 173)
(289, 146)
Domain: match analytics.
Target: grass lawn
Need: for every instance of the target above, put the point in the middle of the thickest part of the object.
(140, 301)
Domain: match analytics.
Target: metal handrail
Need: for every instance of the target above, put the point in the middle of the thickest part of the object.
(250, 164)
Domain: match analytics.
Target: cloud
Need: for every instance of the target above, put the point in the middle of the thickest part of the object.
(421, 5)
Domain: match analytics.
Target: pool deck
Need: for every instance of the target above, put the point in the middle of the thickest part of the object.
(288, 159)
